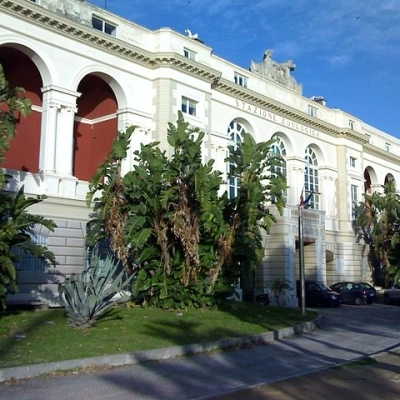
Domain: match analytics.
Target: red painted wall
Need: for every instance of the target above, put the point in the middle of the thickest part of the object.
(93, 141)
(21, 71)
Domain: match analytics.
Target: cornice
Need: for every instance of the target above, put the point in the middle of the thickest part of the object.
(44, 18)
(180, 62)
(265, 102)
(40, 16)
(354, 136)
(384, 155)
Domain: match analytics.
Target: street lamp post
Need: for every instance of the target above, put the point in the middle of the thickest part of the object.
(301, 263)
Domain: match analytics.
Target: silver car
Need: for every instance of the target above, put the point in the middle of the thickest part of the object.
(392, 295)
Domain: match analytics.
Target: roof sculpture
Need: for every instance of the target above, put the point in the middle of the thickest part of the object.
(277, 72)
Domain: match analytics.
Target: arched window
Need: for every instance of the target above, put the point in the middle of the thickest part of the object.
(235, 132)
(311, 181)
(390, 178)
(367, 182)
(279, 148)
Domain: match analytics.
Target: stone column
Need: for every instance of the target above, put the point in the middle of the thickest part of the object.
(328, 191)
(65, 140)
(142, 134)
(57, 140)
(376, 188)
(48, 136)
(295, 179)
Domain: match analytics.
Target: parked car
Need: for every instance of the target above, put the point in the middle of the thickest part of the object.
(392, 295)
(319, 295)
(355, 292)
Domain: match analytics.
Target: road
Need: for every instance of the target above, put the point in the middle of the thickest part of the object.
(346, 333)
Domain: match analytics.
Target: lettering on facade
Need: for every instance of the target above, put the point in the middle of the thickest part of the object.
(270, 116)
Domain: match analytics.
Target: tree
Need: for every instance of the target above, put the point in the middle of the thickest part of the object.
(261, 184)
(16, 224)
(377, 224)
(190, 242)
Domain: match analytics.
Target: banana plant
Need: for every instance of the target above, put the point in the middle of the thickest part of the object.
(16, 223)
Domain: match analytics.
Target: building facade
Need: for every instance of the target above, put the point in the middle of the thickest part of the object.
(90, 73)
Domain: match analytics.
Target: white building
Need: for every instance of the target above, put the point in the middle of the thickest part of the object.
(90, 73)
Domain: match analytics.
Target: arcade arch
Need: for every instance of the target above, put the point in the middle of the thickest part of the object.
(370, 180)
(21, 71)
(390, 178)
(95, 127)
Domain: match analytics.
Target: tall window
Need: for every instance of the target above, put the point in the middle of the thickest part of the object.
(235, 132)
(240, 80)
(103, 26)
(387, 147)
(188, 106)
(278, 148)
(351, 124)
(354, 199)
(353, 161)
(311, 182)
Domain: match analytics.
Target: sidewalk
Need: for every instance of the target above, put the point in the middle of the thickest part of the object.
(355, 355)
(372, 378)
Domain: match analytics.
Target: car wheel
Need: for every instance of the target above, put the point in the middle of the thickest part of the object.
(358, 301)
(387, 300)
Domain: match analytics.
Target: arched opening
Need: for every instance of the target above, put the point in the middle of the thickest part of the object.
(236, 132)
(311, 178)
(367, 182)
(95, 127)
(389, 178)
(20, 70)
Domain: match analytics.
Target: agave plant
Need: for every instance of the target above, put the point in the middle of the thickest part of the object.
(90, 294)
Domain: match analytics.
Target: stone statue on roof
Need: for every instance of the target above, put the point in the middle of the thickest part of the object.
(277, 72)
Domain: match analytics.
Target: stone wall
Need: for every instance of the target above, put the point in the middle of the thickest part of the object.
(38, 282)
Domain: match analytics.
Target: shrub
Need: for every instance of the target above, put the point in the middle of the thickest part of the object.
(89, 295)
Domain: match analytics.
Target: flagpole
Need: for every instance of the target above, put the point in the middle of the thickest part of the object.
(301, 263)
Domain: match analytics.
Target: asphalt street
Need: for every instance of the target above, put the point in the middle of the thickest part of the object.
(346, 333)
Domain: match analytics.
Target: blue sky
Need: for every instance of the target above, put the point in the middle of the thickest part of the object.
(347, 51)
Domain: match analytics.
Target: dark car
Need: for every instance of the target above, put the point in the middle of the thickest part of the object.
(355, 292)
(319, 295)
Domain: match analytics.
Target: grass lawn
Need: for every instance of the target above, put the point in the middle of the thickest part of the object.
(31, 337)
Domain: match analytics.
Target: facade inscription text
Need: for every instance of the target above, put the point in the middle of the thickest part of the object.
(276, 118)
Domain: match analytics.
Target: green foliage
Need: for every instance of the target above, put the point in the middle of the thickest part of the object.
(16, 227)
(260, 184)
(377, 224)
(16, 224)
(12, 103)
(190, 242)
(87, 296)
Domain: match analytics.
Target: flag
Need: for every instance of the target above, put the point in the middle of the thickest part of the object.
(305, 202)
(301, 201)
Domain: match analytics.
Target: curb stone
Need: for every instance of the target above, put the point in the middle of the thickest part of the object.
(116, 360)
